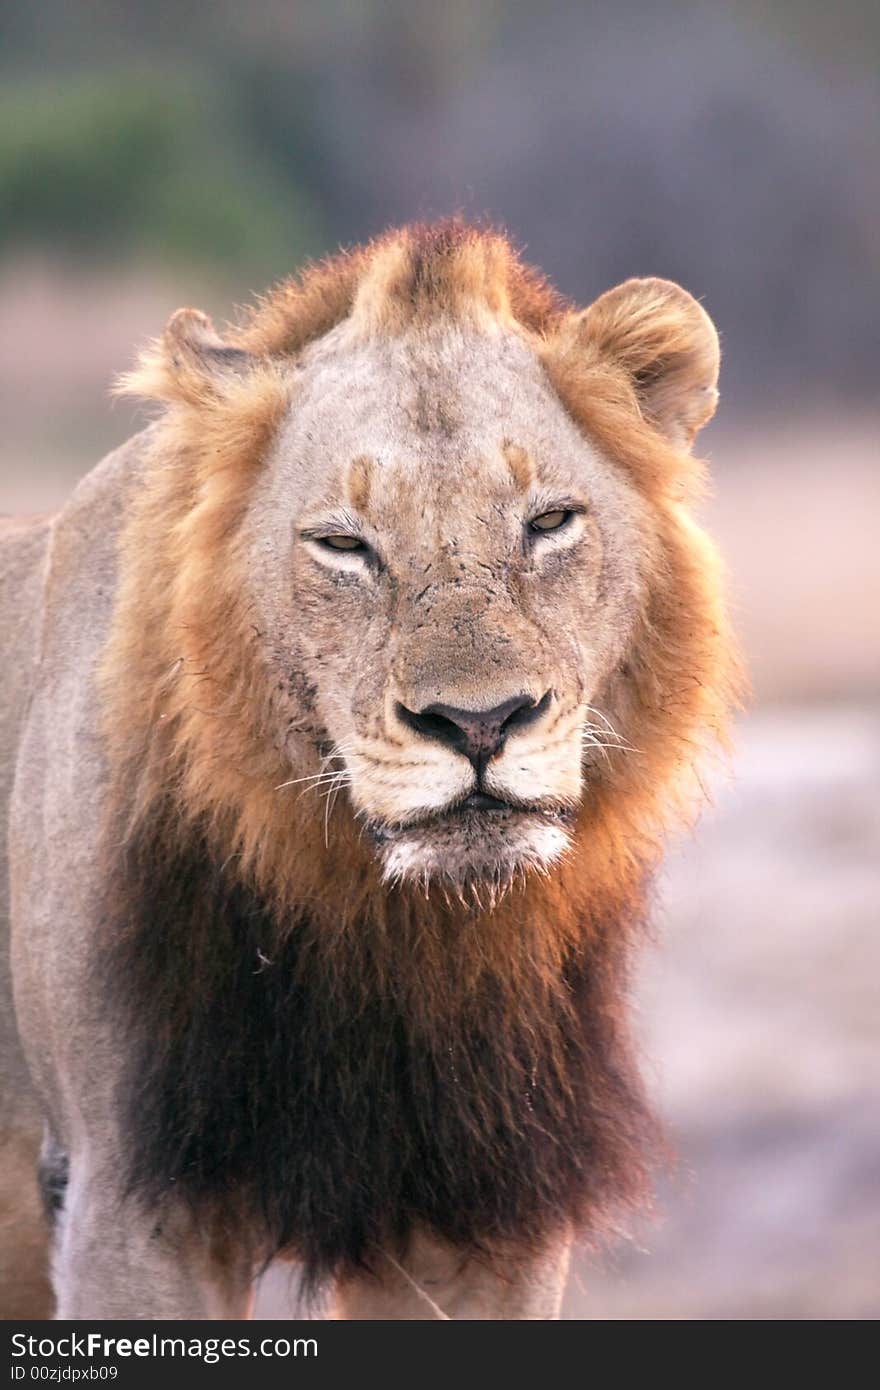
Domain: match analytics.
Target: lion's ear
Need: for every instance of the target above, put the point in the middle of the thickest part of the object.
(192, 344)
(667, 344)
(189, 363)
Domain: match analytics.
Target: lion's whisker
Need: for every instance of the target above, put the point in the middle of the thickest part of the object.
(604, 718)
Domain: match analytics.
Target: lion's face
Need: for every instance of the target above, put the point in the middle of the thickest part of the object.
(444, 576)
(431, 554)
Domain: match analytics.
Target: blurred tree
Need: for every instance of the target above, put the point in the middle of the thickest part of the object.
(731, 147)
(131, 164)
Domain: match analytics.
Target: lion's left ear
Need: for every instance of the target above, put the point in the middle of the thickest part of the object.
(190, 363)
(667, 344)
(193, 345)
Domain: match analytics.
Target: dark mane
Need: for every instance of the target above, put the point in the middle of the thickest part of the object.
(267, 1087)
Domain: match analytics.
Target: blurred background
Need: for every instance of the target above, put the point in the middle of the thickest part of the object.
(152, 156)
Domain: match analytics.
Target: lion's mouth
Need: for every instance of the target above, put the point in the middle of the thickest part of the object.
(477, 809)
(482, 801)
(480, 839)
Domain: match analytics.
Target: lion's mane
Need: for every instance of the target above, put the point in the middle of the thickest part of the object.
(316, 1058)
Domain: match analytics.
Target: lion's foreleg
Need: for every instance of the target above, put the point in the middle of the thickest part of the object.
(112, 1260)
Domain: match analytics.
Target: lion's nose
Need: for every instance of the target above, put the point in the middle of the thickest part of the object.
(478, 734)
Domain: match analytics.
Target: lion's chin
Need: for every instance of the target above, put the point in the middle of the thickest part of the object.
(473, 849)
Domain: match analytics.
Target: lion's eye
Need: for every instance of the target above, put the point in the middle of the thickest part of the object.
(342, 542)
(550, 521)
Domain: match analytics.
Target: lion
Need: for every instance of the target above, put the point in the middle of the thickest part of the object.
(349, 706)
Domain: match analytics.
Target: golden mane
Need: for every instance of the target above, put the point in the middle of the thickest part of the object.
(195, 699)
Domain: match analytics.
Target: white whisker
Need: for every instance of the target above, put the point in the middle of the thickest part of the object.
(596, 737)
(294, 781)
(605, 720)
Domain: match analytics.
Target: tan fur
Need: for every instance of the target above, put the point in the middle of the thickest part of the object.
(522, 469)
(24, 1236)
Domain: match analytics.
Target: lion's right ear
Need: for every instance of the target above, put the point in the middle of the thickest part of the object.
(189, 363)
(667, 345)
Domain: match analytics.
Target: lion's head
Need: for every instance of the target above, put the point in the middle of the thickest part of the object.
(426, 555)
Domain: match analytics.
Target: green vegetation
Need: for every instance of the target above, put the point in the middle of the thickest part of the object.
(137, 166)
(730, 147)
